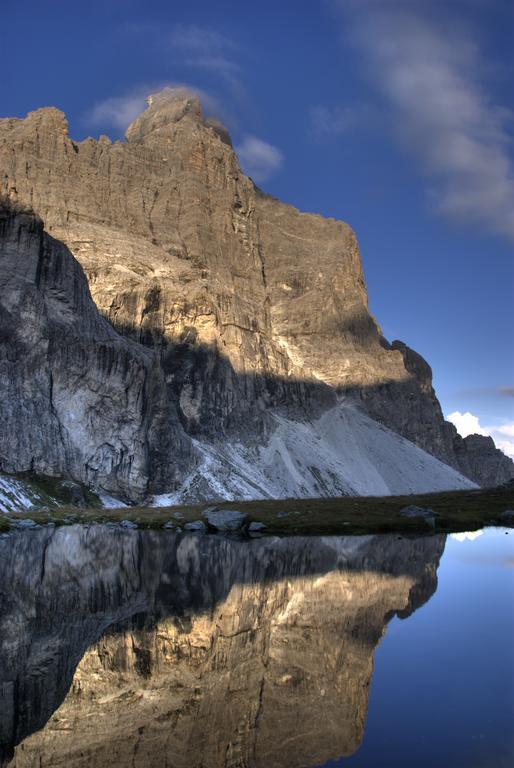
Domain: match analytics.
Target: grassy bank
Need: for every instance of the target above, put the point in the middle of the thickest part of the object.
(454, 511)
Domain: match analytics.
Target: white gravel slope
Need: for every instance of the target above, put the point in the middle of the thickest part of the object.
(343, 452)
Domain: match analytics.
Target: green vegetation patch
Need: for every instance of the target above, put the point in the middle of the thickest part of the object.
(58, 490)
(41, 491)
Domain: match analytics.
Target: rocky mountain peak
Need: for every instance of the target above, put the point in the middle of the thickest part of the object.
(49, 119)
(169, 106)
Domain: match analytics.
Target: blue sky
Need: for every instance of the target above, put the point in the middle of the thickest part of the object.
(396, 116)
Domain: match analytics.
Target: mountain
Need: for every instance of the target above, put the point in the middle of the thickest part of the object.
(173, 331)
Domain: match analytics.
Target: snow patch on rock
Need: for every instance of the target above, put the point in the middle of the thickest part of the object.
(15, 495)
(110, 502)
(18, 495)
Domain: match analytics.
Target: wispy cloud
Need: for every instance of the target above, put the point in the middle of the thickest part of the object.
(336, 121)
(430, 72)
(117, 111)
(200, 40)
(508, 391)
(468, 424)
(259, 159)
(207, 49)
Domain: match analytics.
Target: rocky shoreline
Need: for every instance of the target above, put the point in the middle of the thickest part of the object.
(443, 513)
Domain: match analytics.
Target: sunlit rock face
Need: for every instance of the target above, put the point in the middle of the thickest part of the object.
(250, 305)
(196, 650)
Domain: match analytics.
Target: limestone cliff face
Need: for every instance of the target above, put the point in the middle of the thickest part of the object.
(249, 304)
(180, 247)
(196, 651)
(76, 398)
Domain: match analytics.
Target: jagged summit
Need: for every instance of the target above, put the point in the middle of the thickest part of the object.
(165, 108)
(47, 119)
(169, 96)
(170, 106)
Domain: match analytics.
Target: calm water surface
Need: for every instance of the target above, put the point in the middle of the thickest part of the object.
(146, 648)
(443, 682)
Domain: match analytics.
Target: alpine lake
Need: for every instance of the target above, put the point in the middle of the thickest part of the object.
(279, 634)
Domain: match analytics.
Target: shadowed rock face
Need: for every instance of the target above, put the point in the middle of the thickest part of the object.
(480, 459)
(247, 304)
(194, 650)
(76, 397)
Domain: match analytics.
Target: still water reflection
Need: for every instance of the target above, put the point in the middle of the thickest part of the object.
(142, 648)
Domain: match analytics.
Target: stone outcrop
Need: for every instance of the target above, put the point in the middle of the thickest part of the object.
(478, 457)
(163, 649)
(249, 305)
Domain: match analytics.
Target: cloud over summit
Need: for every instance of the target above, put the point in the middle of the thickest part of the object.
(120, 111)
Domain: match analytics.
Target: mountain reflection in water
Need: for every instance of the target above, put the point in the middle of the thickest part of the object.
(148, 648)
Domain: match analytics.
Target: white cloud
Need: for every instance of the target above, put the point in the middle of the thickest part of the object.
(507, 446)
(503, 436)
(466, 535)
(430, 72)
(258, 158)
(468, 424)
